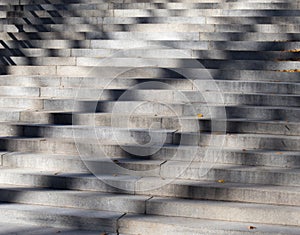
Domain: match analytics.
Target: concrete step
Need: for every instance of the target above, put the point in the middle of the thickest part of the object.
(250, 213)
(218, 74)
(151, 108)
(186, 123)
(247, 36)
(56, 146)
(20, 91)
(169, 12)
(44, 161)
(137, 135)
(83, 54)
(74, 98)
(69, 159)
(130, 83)
(167, 223)
(239, 99)
(238, 142)
(172, 96)
(71, 180)
(102, 165)
(154, 108)
(215, 191)
(28, 229)
(179, 63)
(52, 145)
(233, 156)
(55, 114)
(156, 136)
(261, 112)
(151, 186)
(171, 170)
(88, 64)
(276, 127)
(21, 102)
(44, 61)
(230, 173)
(178, 226)
(74, 199)
(98, 165)
(247, 212)
(165, 28)
(25, 2)
(10, 114)
(165, 122)
(60, 217)
(87, 199)
(157, 5)
(241, 141)
(31, 81)
(188, 54)
(114, 43)
(151, 19)
(207, 27)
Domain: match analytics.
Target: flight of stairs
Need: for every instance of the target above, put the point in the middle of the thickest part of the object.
(142, 117)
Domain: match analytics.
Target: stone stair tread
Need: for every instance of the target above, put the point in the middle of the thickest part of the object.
(104, 159)
(142, 130)
(60, 216)
(90, 175)
(89, 200)
(248, 212)
(250, 158)
(216, 184)
(66, 211)
(228, 149)
(185, 226)
(225, 204)
(27, 229)
(240, 135)
(233, 167)
(177, 188)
